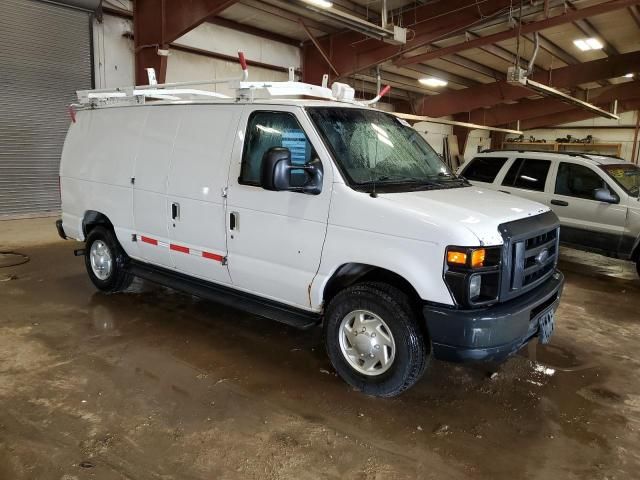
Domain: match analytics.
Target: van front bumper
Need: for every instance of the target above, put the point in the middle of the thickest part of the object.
(493, 333)
(60, 229)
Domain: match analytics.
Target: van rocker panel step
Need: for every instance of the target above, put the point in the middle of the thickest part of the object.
(493, 333)
(230, 297)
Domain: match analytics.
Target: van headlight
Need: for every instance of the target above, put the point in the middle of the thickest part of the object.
(473, 274)
(475, 284)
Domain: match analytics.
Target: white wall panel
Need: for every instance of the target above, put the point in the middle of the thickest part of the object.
(214, 38)
(113, 52)
(185, 66)
(434, 133)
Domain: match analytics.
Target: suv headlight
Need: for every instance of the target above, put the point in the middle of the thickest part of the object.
(473, 274)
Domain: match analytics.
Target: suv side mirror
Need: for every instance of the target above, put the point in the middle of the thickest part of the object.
(604, 195)
(275, 174)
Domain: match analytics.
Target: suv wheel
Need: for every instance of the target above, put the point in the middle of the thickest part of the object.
(373, 339)
(106, 261)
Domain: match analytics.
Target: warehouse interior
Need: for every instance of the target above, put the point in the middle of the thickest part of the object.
(156, 383)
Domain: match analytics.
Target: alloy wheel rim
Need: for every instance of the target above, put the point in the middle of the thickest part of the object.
(366, 342)
(101, 260)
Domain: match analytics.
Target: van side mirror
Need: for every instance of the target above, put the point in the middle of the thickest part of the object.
(276, 169)
(604, 195)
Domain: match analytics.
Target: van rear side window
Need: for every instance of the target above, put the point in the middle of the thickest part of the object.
(484, 169)
(266, 130)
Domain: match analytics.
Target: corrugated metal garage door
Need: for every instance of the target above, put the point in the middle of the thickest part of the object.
(45, 56)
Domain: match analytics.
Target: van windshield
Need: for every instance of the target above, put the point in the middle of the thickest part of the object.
(379, 151)
(626, 175)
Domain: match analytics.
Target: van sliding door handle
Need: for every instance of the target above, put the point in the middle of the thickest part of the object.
(175, 211)
(234, 221)
(560, 203)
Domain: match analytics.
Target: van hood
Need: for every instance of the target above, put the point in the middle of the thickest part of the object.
(480, 211)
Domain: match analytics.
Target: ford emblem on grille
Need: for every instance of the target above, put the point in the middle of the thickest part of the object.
(543, 256)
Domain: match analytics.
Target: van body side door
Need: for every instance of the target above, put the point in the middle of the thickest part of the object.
(150, 204)
(196, 189)
(275, 238)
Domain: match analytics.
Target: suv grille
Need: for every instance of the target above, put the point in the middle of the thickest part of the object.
(531, 253)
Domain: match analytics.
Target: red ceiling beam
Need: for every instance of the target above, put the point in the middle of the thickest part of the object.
(635, 14)
(351, 52)
(574, 115)
(527, 109)
(568, 17)
(493, 93)
(258, 32)
(157, 23)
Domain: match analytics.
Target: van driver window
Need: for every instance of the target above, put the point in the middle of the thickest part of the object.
(266, 130)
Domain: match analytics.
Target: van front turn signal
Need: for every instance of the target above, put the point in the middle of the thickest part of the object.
(466, 257)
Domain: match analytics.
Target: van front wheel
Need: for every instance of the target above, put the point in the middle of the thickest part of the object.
(106, 261)
(373, 340)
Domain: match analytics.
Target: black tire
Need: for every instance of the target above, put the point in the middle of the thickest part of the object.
(413, 350)
(119, 278)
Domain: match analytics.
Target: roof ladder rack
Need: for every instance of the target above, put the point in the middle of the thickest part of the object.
(245, 91)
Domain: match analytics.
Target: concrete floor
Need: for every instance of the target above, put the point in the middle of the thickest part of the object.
(157, 385)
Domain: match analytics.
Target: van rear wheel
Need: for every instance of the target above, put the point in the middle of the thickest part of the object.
(373, 339)
(106, 261)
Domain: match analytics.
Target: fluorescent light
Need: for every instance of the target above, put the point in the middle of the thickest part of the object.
(432, 82)
(594, 43)
(629, 75)
(582, 45)
(320, 3)
(586, 44)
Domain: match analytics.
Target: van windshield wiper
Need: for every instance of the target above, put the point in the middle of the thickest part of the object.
(451, 179)
(399, 179)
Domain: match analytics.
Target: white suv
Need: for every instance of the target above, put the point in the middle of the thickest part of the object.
(311, 212)
(596, 197)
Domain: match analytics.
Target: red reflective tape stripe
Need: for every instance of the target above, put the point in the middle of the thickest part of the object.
(72, 113)
(152, 241)
(179, 248)
(212, 256)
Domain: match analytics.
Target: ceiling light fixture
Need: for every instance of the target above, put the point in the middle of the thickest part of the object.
(320, 3)
(586, 44)
(432, 82)
(594, 43)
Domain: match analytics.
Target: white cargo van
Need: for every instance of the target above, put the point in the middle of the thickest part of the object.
(310, 212)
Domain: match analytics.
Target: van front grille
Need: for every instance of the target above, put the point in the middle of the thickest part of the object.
(534, 259)
(531, 253)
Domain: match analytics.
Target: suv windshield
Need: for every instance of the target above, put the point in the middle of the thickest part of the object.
(376, 150)
(625, 175)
